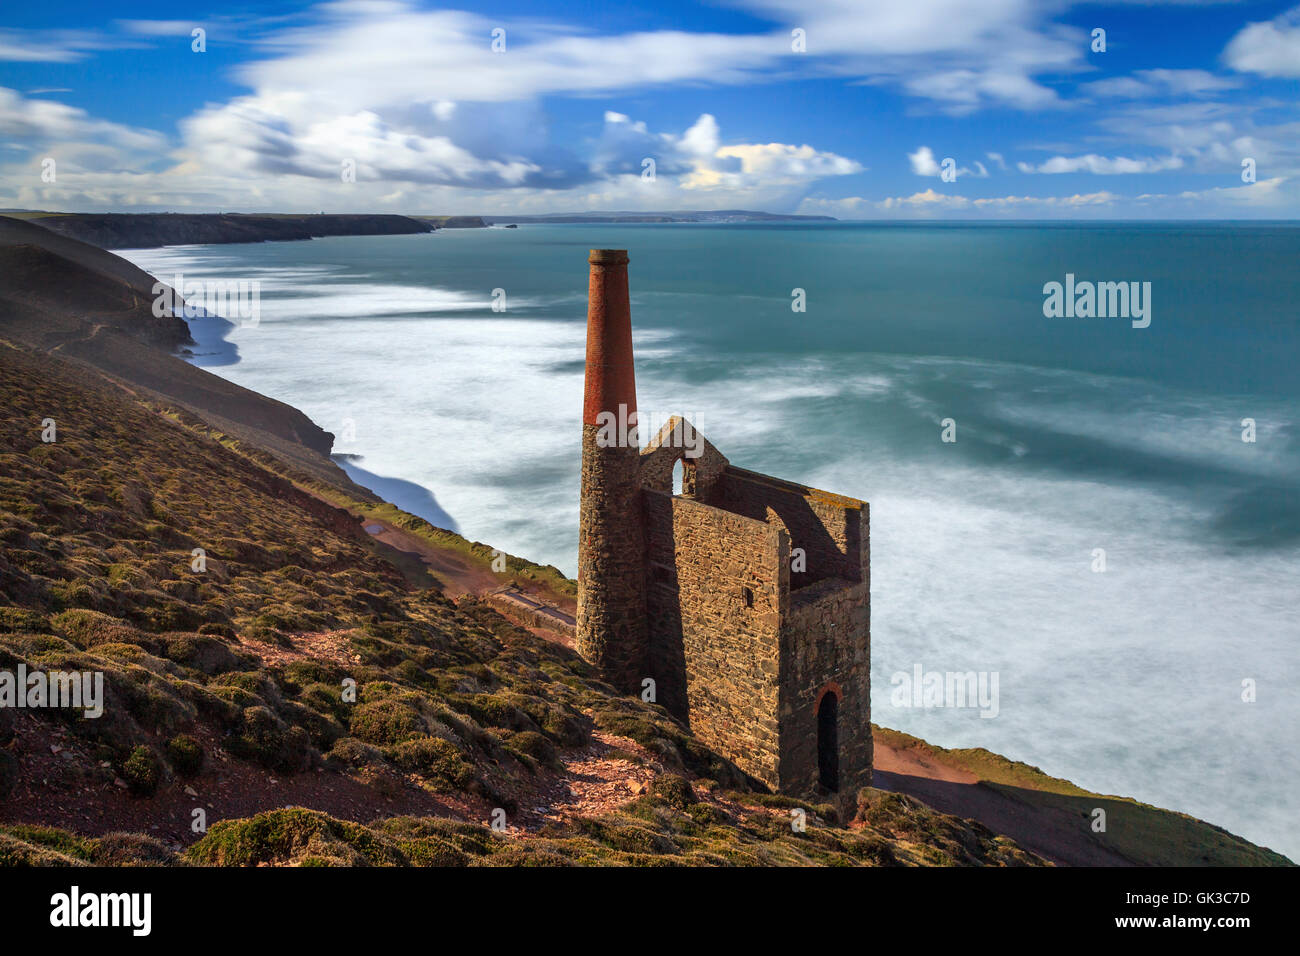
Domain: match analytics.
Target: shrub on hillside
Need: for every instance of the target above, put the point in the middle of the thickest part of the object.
(384, 722)
(185, 755)
(263, 738)
(434, 759)
(142, 771)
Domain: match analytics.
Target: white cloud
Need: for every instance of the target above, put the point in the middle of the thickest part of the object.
(702, 138)
(159, 28)
(269, 153)
(698, 162)
(964, 90)
(435, 120)
(40, 124)
(959, 55)
(1270, 49)
(1102, 165)
(1145, 84)
(928, 203)
(274, 135)
(50, 46)
(924, 164)
(1265, 192)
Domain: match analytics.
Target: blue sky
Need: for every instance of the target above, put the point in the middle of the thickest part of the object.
(848, 108)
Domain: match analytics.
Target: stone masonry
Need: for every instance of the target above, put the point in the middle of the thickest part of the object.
(744, 598)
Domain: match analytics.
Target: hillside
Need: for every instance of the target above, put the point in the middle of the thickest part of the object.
(232, 589)
(222, 687)
(84, 304)
(147, 230)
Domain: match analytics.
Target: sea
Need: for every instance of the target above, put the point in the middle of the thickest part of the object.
(1101, 513)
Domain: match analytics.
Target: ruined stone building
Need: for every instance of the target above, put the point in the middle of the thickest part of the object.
(744, 598)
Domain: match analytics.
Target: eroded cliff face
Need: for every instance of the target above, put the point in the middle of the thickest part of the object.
(79, 302)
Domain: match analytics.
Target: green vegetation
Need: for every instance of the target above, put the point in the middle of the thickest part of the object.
(185, 754)
(656, 829)
(142, 771)
(1140, 832)
(247, 630)
(22, 845)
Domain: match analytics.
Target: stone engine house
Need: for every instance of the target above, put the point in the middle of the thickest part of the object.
(744, 598)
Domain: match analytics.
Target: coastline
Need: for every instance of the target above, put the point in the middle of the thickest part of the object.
(933, 766)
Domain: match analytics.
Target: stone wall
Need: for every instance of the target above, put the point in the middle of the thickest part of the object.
(824, 525)
(703, 472)
(715, 585)
(826, 648)
(739, 646)
(611, 618)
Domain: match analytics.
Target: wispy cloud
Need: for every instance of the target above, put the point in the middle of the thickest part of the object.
(53, 46)
(1102, 165)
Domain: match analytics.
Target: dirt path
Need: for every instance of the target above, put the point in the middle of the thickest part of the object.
(545, 614)
(456, 575)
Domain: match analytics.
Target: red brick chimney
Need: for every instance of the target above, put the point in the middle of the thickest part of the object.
(611, 379)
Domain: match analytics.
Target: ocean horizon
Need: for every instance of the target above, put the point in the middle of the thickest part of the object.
(449, 367)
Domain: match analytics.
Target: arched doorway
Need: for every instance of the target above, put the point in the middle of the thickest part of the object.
(828, 743)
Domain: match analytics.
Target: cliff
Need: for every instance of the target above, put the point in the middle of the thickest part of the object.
(147, 230)
(86, 305)
(455, 222)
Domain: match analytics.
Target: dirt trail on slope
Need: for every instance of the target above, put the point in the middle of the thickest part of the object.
(455, 574)
(547, 615)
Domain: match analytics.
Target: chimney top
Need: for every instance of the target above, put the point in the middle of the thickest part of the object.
(610, 380)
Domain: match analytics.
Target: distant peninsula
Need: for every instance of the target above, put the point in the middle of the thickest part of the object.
(151, 230)
(697, 215)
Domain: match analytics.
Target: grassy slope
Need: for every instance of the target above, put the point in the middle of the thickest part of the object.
(96, 536)
(1140, 832)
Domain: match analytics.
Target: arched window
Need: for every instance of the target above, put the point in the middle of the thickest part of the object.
(684, 477)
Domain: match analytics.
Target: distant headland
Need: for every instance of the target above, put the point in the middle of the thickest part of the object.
(708, 215)
(150, 230)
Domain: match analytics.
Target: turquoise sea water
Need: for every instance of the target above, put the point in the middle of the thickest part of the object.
(1072, 435)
